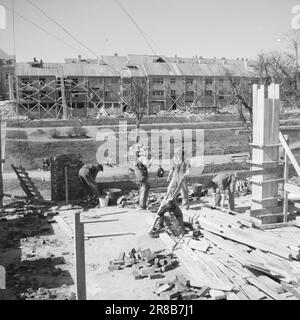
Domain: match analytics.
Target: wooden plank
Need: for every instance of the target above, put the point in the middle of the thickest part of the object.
(79, 258)
(289, 153)
(201, 245)
(2, 278)
(264, 288)
(226, 233)
(253, 293)
(64, 226)
(106, 235)
(198, 279)
(273, 285)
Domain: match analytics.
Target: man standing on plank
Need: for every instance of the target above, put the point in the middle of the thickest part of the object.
(179, 167)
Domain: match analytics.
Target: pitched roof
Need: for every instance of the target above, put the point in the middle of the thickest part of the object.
(68, 69)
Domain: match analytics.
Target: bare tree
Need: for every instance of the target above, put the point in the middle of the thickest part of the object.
(138, 105)
(241, 98)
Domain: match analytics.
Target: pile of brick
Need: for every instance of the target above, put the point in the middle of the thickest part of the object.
(58, 164)
(180, 289)
(144, 263)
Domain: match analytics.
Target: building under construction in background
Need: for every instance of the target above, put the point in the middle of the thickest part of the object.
(84, 88)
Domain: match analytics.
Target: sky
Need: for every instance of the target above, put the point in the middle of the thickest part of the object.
(208, 28)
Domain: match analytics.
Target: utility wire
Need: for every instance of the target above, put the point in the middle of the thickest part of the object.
(136, 25)
(63, 28)
(39, 27)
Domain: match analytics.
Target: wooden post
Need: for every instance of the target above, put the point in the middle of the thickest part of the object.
(79, 257)
(66, 185)
(265, 152)
(1, 164)
(286, 179)
(63, 97)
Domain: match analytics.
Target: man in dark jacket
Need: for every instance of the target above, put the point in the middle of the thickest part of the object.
(221, 183)
(87, 174)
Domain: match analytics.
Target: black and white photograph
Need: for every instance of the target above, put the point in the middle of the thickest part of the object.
(150, 153)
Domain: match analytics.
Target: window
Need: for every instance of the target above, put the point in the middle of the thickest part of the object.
(221, 81)
(42, 81)
(25, 80)
(208, 93)
(74, 81)
(189, 81)
(107, 94)
(172, 80)
(158, 81)
(189, 93)
(208, 81)
(157, 93)
(173, 93)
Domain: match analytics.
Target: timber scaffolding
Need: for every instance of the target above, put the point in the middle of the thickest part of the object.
(88, 89)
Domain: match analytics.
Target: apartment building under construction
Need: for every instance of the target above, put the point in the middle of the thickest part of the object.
(81, 88)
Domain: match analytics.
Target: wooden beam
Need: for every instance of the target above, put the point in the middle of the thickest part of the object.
(105, 235)
(289, 153)
(79, 258)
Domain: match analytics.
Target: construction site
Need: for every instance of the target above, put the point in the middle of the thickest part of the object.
(132, 178)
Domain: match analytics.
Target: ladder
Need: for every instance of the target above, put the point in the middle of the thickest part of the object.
(27, 184)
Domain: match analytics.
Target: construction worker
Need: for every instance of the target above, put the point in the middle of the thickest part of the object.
(137, 147)
(160, 172)
(172, 207)
(179, 167)
(141, 175)
(87, 174)
(219, 185)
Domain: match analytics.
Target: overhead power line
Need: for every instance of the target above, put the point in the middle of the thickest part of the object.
(63, 28)
(39, 27)
(136, 25)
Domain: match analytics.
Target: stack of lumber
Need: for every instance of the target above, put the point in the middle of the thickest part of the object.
(242, 262)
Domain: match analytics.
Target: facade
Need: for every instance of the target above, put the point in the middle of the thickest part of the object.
(83, 88)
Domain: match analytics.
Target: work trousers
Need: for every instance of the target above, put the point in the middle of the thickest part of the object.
(183, 190)
(144, 193)
(230, 189)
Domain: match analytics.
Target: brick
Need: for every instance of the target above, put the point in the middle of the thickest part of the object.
(146, 271)
(156, 276)
(150, 257)
(183, 280)
(137, 276)
(167, 267)
(121, 256)
(188, 295)
(160, 283)
(180, 287)
(118, 262)
(217, 295)
(203, 291)
(112, 267)
(128, 262)
(172, 294)
(163, 288)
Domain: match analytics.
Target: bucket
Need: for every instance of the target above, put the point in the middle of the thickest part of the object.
(113, 195)
(103, 202)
